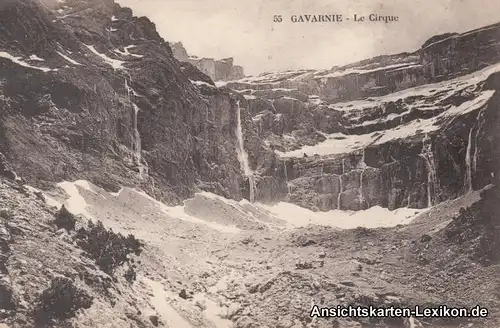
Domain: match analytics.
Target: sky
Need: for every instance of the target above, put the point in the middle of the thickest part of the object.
(244, 29)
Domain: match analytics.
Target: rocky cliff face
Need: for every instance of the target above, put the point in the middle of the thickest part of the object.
(450, 55)
(390, 131)
(89, 90)
(218, 70)
(441, 57)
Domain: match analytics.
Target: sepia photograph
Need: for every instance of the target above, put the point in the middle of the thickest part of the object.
(249, 164)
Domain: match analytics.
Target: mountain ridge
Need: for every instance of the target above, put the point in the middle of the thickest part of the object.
(380, 59)
(372, 113)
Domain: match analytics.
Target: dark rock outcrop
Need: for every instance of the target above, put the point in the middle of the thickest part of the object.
(477, 229)
(412, 148)
(218, 70)
(450, 54)
(6, 169)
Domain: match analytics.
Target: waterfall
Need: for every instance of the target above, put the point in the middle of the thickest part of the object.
(429, 180)
(286, 177)
(137, 137)
(128, 88)
(432, 183)
(362, 165)
(479, 127)
(137, 142)
(286, 171)
(340, 193)
(243, 155)
(272, 106)
(468, 166)
(361, 198)
(474, 158)
(341, 184)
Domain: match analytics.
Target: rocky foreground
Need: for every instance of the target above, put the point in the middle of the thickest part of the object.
(220, 263)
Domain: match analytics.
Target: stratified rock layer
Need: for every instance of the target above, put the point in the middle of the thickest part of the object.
(408, 130)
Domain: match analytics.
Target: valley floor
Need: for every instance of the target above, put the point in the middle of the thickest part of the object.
(220, 263)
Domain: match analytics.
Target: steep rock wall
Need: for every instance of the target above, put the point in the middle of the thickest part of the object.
(451, 55)
(109, 103)
(218, 70)
(413, 147)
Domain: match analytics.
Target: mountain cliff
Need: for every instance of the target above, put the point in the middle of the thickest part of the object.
(89, 90)
(134, 192)
(407, 130)
(218, 70)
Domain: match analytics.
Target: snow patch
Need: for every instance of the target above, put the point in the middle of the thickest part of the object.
(275, 77)
(116, 194)
(35, 57)
(198, 83)
(179, 212)
(432, 124)
(407, 67)
(339, 143)
(220, 83)
(374, 217)
(18, 61)
(127, 53)
(361, 71)
(283, 89)
(448, 87)
(115, 63)
(76, 204)
(68, 59)
(85, 185)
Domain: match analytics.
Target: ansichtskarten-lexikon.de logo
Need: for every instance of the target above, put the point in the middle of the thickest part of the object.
(441, 311)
